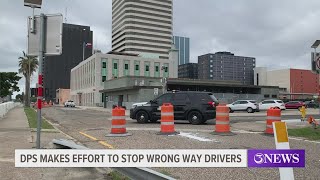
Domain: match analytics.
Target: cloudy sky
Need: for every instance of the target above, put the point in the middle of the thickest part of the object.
(278, 33)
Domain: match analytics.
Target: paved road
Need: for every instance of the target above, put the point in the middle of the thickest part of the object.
(97, 124)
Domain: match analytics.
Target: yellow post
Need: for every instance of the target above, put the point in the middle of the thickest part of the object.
(303, 113)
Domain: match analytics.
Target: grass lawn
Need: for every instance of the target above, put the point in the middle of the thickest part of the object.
(32, 119)
(307, 132)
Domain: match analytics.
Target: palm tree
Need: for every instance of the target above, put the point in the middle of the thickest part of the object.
(28, 65)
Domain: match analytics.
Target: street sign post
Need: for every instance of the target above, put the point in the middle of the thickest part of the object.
(44, 39)
(53, 35)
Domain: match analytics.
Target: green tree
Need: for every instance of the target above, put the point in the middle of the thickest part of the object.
(8, 83)
(28, 65)
(19, 97)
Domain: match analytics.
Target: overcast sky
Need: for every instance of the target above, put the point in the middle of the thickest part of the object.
(278, 33)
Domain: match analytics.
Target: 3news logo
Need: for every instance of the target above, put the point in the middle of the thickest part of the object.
(276, 158)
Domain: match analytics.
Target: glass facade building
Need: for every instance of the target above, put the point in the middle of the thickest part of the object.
(183, 45)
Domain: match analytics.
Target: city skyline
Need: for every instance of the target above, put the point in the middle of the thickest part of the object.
(276, 36)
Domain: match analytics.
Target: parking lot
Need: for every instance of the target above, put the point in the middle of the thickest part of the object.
(89, 127)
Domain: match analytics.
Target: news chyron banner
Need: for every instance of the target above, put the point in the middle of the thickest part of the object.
(160, 158)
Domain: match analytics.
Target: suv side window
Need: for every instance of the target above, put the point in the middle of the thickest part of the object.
(166, 98)
(243, 102)
(180, 97)
(267, 102)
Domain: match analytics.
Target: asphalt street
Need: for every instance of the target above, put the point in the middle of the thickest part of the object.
(90, 127)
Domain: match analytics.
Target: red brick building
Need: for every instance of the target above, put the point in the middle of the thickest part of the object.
(293, 83)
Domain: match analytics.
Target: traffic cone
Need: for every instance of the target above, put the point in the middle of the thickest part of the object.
(118, 123)
(273, 115)
(222, 121)
(167, 120)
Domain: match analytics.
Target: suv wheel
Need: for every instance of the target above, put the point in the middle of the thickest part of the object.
(142, 117)
(195, 118)
(230, 110)
(249, 110)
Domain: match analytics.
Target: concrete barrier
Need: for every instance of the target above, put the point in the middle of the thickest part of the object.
(6, 107)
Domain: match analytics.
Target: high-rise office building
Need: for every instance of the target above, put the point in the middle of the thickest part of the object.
(142, 27)
(226, 66)
(183, 45)
(76, 42)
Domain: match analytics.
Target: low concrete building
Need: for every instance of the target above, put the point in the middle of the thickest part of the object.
(62, 95)
(88, 78)
(128, 90)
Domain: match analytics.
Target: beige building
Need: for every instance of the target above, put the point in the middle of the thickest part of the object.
(62, 95)
(87, 78)
(281, 78)
(142, 27)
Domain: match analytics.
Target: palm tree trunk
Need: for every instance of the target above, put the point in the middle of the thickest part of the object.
(27, 103)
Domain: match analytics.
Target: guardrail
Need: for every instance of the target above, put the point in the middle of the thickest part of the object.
(132, 173)
(6, 107)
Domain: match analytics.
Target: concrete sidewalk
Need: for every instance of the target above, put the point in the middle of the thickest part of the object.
(16, 134)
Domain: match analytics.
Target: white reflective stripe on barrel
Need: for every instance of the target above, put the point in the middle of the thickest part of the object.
(167, 123)
(274, 117)
(222, 122)
(167, 114)
(118, 126)
(222, 114)
(270, 126)
(118, 117)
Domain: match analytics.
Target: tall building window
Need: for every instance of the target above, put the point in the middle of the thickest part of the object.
(257, 79)
(147, 68)
(104, 64)
(104, 78)
(126, 66)
(137, 67)
(115, 66)
(157, 68)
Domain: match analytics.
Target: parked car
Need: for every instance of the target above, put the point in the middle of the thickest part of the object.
(267, 104)
(196, 107)
(311, 104)
(294, 104)
(69, 103)
(250, 106)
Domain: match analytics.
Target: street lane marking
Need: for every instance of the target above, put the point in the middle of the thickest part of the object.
(191, 136)
(95, 139)
(7, 160)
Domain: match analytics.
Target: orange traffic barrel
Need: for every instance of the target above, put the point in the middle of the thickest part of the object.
(167, 120)
(222, 121)
(118, 123)
(273, 115)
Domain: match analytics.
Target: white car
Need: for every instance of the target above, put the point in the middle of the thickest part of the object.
(138, 104)
(267, 104)
(250, 106)
(69, 103)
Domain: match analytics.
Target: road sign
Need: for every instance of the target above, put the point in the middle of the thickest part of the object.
(156, 91)
(53, 36)
(33, 3)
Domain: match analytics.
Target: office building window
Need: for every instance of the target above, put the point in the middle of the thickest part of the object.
(166, 69)
(126, 66)
(104, 64)
(115, 66)
(104, 78)
(157, 68)
(137, 67)
(147, 68)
